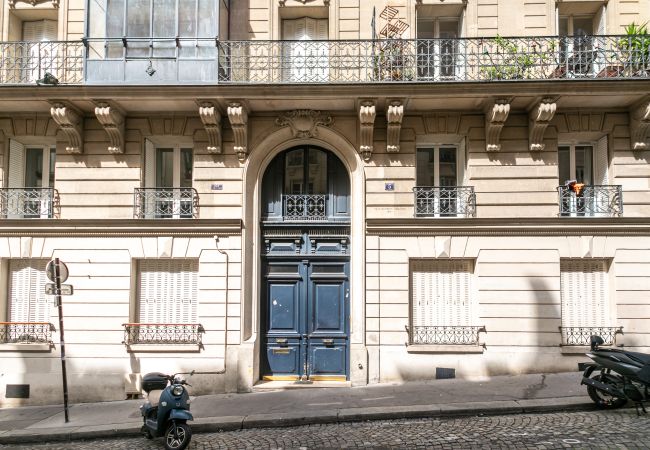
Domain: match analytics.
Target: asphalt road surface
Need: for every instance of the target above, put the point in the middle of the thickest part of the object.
(619, 429)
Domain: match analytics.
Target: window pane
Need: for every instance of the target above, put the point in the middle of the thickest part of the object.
(207, 27)
(584, 164)
(186, 167)
(165, 167)
(294, 172)
(52, 165)
(564, 164)
(34, 167)
(425, 28)
(448, 29)
(317, 172)
(425, 167)
(164, 26)
(138, 25)
(583, 26)
(115, 27)
(447, 167)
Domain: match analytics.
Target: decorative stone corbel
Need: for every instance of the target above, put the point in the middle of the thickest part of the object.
(12, 3)
(239, 121)
(394, 115)
(71, 123)
(640, 127)
(113, 122)
(538, 119)
(495, 118)
(367, 114)
(211, 119)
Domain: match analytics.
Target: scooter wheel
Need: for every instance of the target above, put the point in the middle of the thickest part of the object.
(181, 439)
(602, 399)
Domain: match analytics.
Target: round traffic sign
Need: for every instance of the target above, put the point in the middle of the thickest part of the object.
(51, 274)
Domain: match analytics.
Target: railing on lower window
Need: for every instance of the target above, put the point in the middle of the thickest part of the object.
(26, 332)
(304, 207)
(444, 201)
(581, 335)
(166, 203)
(29, 203)
(163, 333)
(590, 201)
(445, 335)
(42, 62)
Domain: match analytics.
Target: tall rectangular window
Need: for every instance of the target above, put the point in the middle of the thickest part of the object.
(438, 47)
(168, 291)
(442, 302)
(27, 300)
(30, 180)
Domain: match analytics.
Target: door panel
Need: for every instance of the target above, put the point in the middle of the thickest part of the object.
(306, 322)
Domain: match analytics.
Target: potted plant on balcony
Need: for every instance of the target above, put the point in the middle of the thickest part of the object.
(394, 61)
(503, 59)
(635, 50)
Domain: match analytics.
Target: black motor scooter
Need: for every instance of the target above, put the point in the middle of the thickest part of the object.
(616, 376)
(167, 410)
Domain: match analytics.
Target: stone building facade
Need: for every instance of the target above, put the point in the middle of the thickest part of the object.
(325, 191)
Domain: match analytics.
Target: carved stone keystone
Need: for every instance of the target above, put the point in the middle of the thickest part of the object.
(539, 118)
(239, 121)
(211, 119)
(494, 121)
(394, 116)
(113, 122)
(367, 114)
(304, 123)
(71, 123)
(640, 127)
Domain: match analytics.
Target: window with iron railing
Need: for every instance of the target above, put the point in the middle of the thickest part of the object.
(26, 332)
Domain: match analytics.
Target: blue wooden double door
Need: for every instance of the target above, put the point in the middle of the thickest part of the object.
(306, 309)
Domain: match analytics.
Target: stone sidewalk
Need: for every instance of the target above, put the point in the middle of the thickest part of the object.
(287, 407)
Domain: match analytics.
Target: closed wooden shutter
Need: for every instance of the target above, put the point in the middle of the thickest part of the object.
(40, 30)
(441, 293)
(168, 291)
(27, 299)
(601, 163)
(583, 288)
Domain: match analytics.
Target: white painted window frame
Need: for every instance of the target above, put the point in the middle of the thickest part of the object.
(16, 167)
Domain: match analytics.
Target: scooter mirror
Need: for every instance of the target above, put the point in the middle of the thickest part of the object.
(595, 341)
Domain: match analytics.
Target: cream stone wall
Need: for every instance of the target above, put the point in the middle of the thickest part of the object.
(103, 273)
(516, 286)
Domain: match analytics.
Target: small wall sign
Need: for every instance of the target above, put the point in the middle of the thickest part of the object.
(389, 186)
(216, 187)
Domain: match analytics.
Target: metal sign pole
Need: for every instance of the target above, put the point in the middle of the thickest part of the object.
(59, 303)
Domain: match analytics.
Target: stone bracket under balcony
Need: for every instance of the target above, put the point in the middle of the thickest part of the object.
(367, 115)
(394, 116)
(238, 117)
(640, 126)
(539, 118)
(70, 121)
(495, 118)
(211, 119)
(113, 122)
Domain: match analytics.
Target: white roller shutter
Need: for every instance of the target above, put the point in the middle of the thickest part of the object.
(442, 294)
(168, 291)
(601, 163)
(583, 287)
(27, 299)
(16, 169)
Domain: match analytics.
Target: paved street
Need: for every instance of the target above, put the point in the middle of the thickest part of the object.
(611, 429)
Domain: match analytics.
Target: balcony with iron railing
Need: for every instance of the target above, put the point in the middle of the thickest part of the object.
(165, 203)
(444, 201)
(580, 336)
(29, 203)
(176, 60)
(590, 201)
(445, 335)
(26, 332)
(163, 333)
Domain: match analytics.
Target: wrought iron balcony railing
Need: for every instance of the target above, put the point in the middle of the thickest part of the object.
(445, 335)
(581, 335)
(29, 203)
(591, 201)
(165, 203)
(46, 62)
(26, 332)
(434, 60)
(444, 201)
(304, 207)
(163, 333)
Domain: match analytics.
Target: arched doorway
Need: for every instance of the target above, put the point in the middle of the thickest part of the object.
(305, 286)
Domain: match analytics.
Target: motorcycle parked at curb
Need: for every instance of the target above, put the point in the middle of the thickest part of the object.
(616, 376)
(166, 410)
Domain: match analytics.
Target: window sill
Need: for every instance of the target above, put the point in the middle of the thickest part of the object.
(432, 348)
(163, 348)
(579, 349)
(26, 347)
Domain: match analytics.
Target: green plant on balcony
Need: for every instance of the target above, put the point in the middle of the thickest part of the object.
(635, 50)
(503, 59)
(394, 61)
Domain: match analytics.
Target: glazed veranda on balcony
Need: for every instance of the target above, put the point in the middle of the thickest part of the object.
(208, 61)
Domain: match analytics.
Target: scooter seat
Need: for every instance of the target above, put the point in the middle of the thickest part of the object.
(643, 358)
(154, 397)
